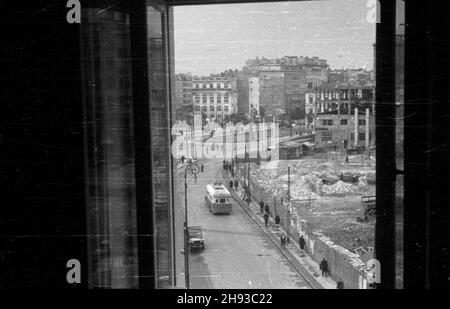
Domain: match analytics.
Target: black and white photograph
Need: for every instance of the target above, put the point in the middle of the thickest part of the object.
(225, 149)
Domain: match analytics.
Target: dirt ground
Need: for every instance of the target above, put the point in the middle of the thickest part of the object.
(334, 214)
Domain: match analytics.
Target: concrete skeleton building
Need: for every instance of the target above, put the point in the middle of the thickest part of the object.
(342, 115)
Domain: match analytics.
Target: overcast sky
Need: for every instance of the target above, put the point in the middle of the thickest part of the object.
(213, 38)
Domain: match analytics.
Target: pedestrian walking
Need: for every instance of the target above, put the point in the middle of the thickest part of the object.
(261, 206)
(283, 240)
(301, 242)
(202, 168)
(236, 184)
(195, 178)
(324, 267)
(277, 219)
(346, 160)
(267, 209)
(340, 284)
(231, 184)
(266, 218)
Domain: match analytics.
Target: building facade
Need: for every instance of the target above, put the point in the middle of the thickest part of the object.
(284, 81)
(214, 96)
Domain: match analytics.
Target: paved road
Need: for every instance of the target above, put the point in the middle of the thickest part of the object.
(237, 254)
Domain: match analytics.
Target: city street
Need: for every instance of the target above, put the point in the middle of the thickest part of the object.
(237, 254)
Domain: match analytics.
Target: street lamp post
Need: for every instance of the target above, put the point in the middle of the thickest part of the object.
(288, 223)
(258, 156)
(192, 169)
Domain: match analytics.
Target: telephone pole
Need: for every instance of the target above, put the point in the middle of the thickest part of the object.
(288, 223)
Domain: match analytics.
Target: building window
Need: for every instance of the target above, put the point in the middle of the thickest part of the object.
(211, 85)
(211, 99)
(226, 99)
(204, 86)
(218, 85)
(361, 136)
(219, 108)
(327, 122)
(225, 85)
(197, 99)
(362, 122)
(204, 98)
(204, 109)
(211, 108)
(197, 85)
(327, 136)
(343, 122)
(226, 108)
(197, 108)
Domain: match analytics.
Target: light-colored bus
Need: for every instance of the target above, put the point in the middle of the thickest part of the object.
(218, 199)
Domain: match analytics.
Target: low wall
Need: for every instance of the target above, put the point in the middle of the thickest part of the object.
(341, 262)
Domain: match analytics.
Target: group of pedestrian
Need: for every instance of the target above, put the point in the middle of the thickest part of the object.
(265, 211)
(228, 167)
(234, 183)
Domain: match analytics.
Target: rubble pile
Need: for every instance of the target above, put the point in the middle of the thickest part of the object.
(362, 184)
(301, 186)
(340, 188)
(330, 177)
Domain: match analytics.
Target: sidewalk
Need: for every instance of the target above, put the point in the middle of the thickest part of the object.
(307, 266)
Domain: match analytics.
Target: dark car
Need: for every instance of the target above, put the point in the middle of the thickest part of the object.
(196, 241)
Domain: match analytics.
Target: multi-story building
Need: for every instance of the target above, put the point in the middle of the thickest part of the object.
(243, 94)
(253, 96)
(214, 96)
(343, 115)
(295, 87)
(284, 81)
(352, 76)
(271, 93)
(183, 97)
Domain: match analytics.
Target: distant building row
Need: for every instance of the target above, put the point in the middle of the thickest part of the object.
(264, 88)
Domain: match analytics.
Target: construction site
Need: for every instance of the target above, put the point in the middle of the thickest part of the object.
(334, 193)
